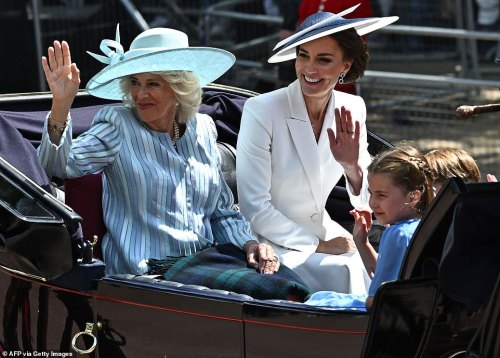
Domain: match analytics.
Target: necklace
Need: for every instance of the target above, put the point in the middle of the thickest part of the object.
(321, 5)
(313, 125)
(176, 132)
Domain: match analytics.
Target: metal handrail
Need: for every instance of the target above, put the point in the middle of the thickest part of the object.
(224, 10)
(441, 32)
(35, 7)
(135, 14)
(428, 79)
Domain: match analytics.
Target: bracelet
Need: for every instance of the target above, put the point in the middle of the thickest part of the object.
(55, 128)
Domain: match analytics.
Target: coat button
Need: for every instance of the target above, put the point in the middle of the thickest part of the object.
(315, 217)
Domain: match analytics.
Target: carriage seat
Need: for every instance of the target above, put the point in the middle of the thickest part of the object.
(84, 195)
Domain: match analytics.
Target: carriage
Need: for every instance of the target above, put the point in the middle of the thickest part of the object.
(56, 298)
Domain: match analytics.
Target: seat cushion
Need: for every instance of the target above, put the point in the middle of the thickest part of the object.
(84, 195)
(228, 166)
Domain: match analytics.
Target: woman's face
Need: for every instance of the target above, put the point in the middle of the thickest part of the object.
(318, 66)
(154, 100)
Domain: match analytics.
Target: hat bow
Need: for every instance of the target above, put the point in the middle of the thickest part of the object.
(107, 46)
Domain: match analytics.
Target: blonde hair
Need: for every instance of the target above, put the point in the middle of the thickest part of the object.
(186, 88)
(450, 162)
(408, 170)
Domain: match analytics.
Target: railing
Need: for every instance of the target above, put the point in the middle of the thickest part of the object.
(468, 75)
(411, 93)
(78, 9)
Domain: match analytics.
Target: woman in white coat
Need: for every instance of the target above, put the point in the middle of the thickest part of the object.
(297, 142)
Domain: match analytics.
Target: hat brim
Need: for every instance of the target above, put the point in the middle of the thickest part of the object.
(362, 26)
(329, 17)
(206, 63)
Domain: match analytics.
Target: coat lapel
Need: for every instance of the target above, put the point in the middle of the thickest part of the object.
(325, 153)
(303, 139)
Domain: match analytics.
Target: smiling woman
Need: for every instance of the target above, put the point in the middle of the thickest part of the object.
(164, 196)
(153, 100)
(296, 143)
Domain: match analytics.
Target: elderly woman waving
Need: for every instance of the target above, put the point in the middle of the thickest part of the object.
(164, 197)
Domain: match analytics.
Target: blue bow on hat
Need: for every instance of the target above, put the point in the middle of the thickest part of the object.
(155, 50)
(106, 46)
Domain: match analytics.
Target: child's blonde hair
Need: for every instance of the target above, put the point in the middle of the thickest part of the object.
(408, 170)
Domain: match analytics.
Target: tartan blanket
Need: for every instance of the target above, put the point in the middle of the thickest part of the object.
(225, 267)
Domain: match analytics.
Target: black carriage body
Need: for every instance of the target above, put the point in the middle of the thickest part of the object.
(51, 301)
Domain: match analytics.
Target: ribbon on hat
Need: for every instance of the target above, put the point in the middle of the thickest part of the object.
(107, 47)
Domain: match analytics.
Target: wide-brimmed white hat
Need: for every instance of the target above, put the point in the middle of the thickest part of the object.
(155, 50)
(322, 24)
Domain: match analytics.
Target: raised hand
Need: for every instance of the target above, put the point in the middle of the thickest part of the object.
(491, 178)
(344, 143)
(362, 224)
(63, 76)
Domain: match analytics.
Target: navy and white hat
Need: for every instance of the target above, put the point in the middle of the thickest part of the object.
(155, 50)
(322, 24)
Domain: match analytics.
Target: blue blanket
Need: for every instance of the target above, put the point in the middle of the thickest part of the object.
(347, 301)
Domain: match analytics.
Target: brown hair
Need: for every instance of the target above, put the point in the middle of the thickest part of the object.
(408, 169)
(354, 49)
(449, 163)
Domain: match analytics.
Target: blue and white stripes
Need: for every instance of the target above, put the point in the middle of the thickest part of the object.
(157, 201)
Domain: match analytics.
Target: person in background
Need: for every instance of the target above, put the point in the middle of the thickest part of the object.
(309, 7)
(488, 12)
(449, 163)
(296, 143)
(164, 197)
(400, 183)
(288, 10)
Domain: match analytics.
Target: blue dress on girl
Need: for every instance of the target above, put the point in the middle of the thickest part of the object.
(392, 250)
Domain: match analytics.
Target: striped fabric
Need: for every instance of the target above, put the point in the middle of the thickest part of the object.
(157, 201)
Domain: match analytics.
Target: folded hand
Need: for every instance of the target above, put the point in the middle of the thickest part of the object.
(262, 257)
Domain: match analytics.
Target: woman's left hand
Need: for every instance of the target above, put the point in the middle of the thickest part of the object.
(262, 257)
(344, 143)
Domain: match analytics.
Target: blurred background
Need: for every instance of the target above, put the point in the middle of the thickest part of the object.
(439, 55)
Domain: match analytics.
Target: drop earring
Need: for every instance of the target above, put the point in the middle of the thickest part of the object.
(341, 78)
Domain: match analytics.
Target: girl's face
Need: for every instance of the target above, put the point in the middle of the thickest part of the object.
(154, 100)
(318, 66)
(390, 203)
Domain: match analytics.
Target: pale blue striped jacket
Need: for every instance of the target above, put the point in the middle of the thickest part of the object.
(157, 201)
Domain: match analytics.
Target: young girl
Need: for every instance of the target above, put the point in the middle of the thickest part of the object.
(400, 184)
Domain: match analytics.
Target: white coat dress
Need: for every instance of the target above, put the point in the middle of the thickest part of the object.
(284, 179)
